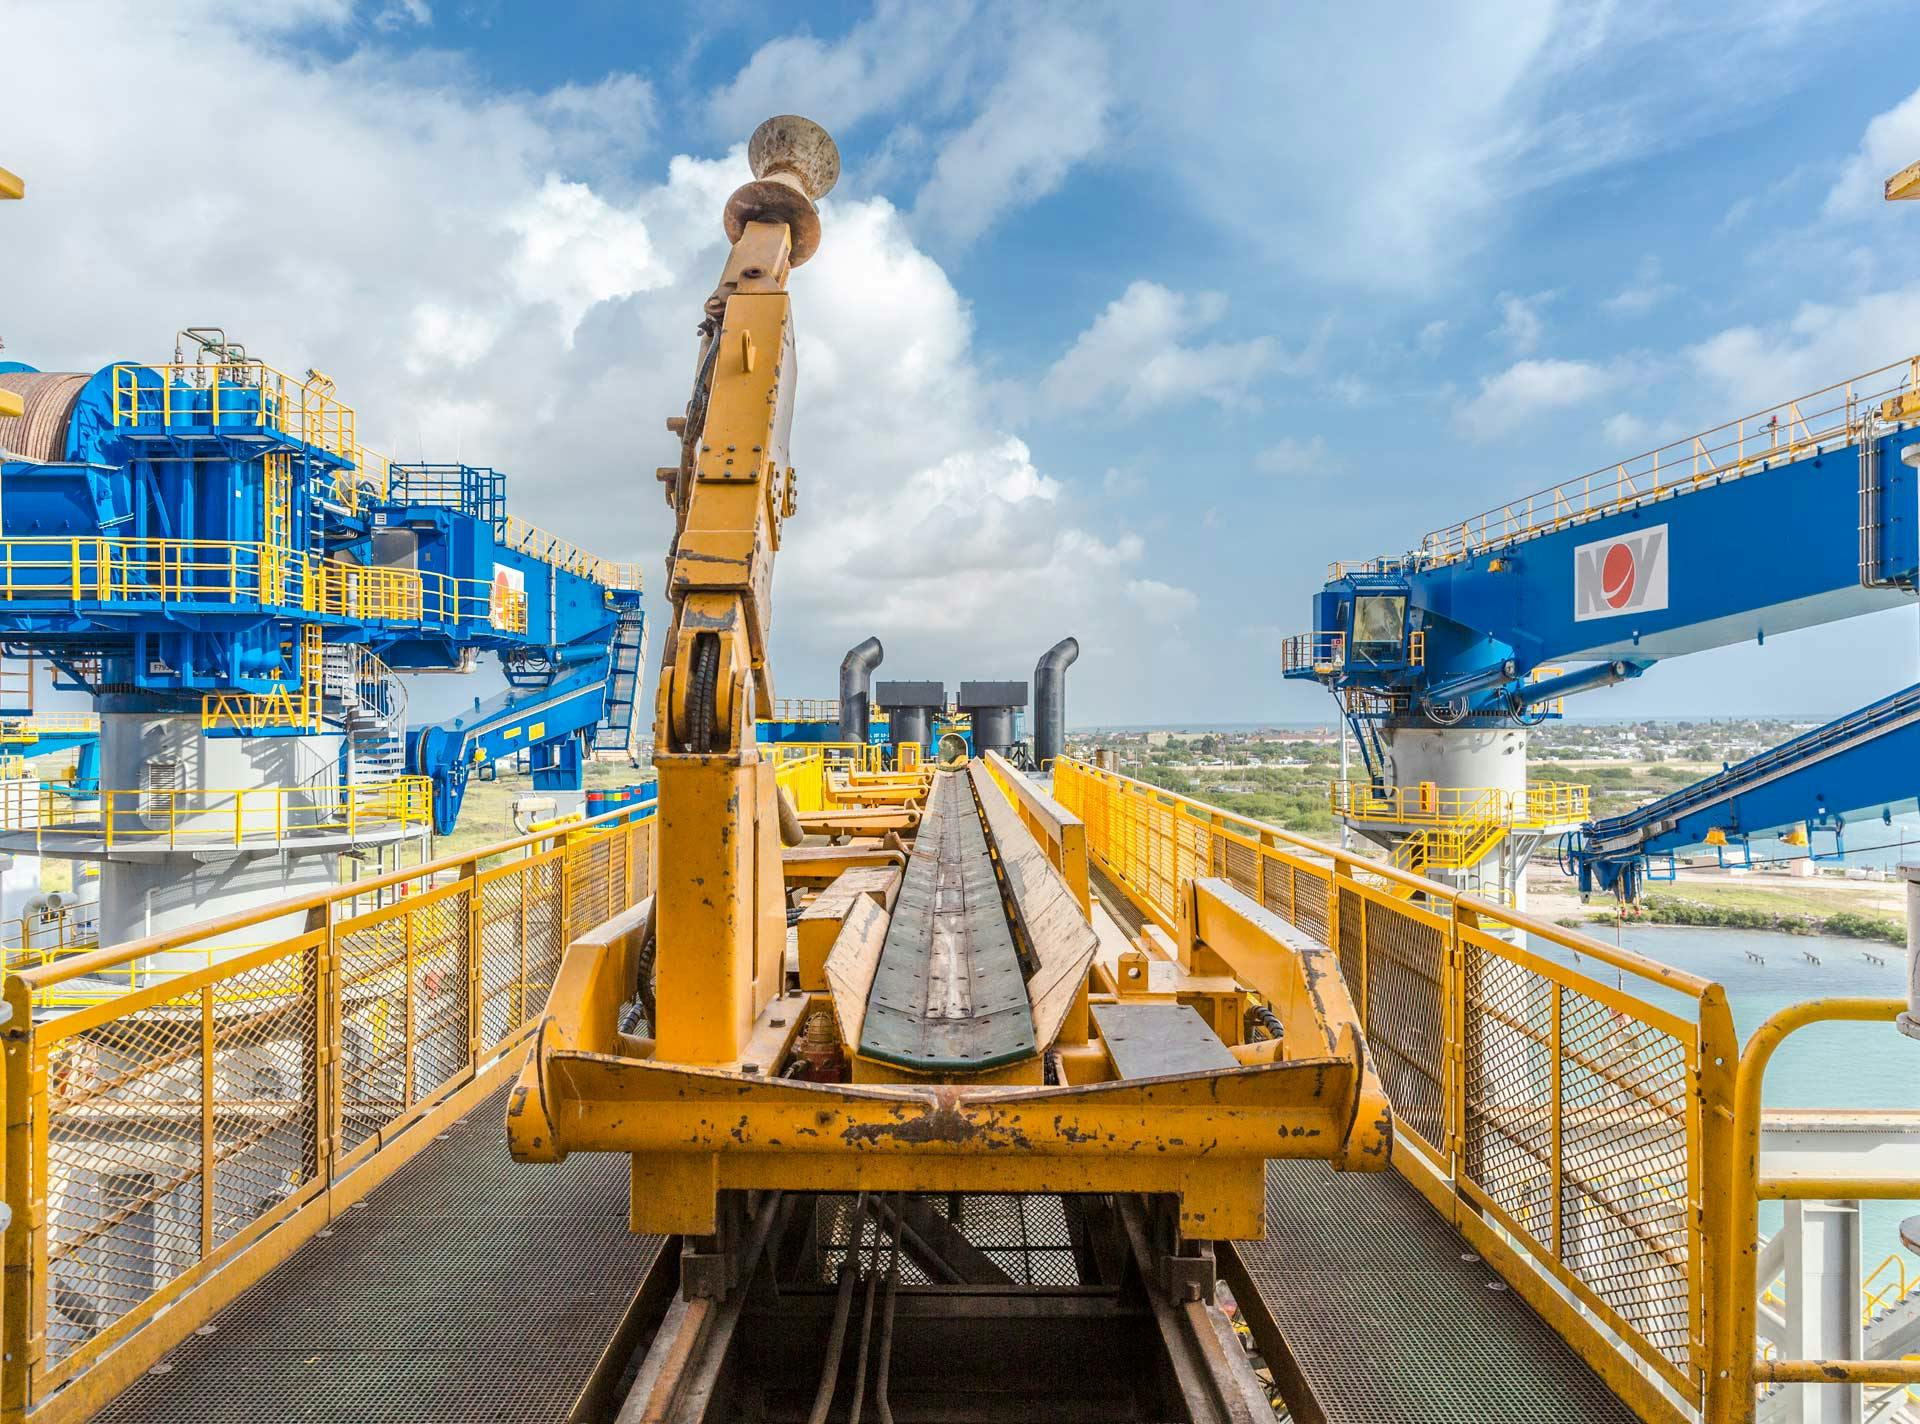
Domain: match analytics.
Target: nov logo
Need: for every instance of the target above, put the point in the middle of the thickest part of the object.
(1623, 575)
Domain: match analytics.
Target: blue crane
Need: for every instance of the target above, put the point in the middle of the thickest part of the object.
(208, 538)
(1804, 514)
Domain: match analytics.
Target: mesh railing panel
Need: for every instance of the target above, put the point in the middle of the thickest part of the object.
(1568, 1107)
(545, 942)
(266, 1124)
(591, 884)
(1508, 1130)
(1625, 1200)
(1405, 1011)
(124, 1167)
(174, 1127)
(372, 1074)
(438, 989)
(503, 956)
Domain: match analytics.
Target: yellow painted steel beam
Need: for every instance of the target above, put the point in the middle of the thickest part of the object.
(12, 185)
(819, 866)
(1905, 183)
(859, 822)
(694, 1132)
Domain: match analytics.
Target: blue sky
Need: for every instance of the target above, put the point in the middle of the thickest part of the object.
(1127, 320)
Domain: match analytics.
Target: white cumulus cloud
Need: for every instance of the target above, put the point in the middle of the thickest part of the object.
(1891, 142)
(1526, 390)
(1292, 456)
(508, 287)
(1521, 322)
(1141, 352)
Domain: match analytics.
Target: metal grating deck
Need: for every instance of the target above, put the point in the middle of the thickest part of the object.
(467, 1286)
(1385, 1320)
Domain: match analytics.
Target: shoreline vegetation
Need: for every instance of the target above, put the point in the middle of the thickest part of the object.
(1677, 910)
(1281, 776)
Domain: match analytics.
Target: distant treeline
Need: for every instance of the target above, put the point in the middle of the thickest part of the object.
(1671, 910)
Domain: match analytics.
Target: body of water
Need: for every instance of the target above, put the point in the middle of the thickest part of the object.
(1823, 1066)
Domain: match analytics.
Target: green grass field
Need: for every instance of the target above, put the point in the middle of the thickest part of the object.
(485, 813)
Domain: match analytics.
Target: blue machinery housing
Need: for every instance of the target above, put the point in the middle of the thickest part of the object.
(210, 538)
(1804, 514)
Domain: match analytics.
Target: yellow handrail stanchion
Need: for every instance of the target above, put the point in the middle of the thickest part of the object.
(1740, 1370)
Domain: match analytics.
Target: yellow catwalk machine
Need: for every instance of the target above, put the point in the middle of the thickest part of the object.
(945, 1018)
(982, 1042)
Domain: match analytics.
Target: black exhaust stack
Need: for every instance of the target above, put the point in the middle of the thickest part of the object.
(856, 675)
(1050, 701)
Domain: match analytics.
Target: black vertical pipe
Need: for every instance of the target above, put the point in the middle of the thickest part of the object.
(1050, 701)
(856, 676)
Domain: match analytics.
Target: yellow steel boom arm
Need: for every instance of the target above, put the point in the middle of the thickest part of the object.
(720, 918)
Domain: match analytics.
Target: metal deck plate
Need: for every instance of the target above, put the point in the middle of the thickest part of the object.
(949, 994)
(469, 1286)
(1155, 1040)
(1384, 1320)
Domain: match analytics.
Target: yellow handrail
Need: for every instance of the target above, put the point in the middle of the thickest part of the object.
(531, 539)
(291, 1063)
(163, 816)
(97, 569)
(1541, 805)
(1740, 1361)
(230, 398)
(24, 731)
(802, 709)
(1565, 1102)
(1839, 414)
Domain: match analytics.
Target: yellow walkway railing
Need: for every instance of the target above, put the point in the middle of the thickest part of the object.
(25, 731)
(803, 709)
(1592, 1128)
(1540, 806)
(94, 569)
(164, 818)
(232, 398)
(179, 1139)
(1570, 1118)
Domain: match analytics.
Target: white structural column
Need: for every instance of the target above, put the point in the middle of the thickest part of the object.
(208, 826)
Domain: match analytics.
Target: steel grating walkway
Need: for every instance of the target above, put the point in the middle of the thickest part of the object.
(1388, 1317)
(467, 1286)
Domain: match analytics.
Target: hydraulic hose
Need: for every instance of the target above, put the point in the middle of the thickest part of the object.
(842, 1309)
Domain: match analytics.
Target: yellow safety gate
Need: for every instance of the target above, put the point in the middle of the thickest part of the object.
(167, 1146)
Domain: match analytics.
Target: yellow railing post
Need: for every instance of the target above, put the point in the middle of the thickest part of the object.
(1711, 1175)
(16, 1161)
(471, 953)
(323, 988)
(208, 1196)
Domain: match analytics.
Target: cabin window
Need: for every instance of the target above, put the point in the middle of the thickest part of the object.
(1379, 627)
